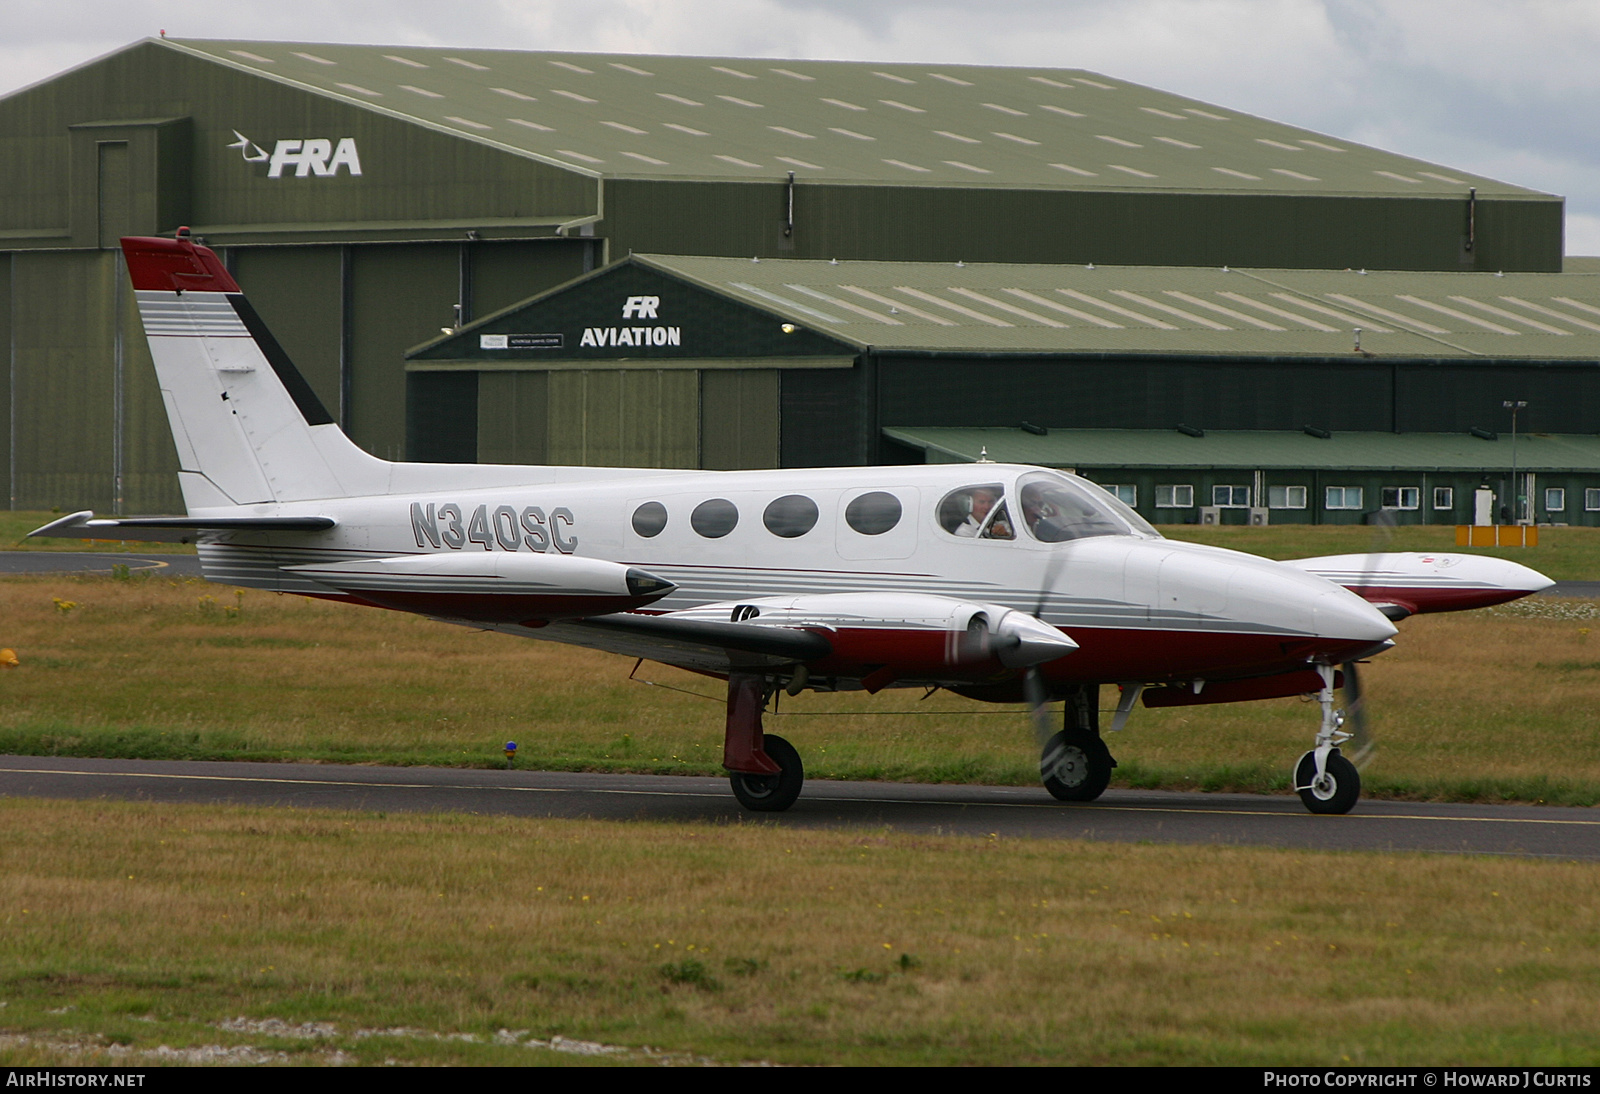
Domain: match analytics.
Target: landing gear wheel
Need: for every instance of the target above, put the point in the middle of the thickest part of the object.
(1339, 788)
(771, 793)
(1076, 767)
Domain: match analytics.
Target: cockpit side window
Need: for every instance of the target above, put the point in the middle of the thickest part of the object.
(1056, 509)
(972, 511)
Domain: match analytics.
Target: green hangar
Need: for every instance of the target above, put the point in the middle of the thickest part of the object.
(377, 202)
(1304, 396)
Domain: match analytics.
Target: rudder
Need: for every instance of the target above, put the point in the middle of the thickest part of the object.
(247, 426)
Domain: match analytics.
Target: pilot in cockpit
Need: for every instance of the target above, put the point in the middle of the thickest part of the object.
(1054, 512)
(984, 517)
(982, 501)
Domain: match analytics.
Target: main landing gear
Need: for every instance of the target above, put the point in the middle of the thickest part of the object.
(763, 768)
(1324, 779)
(1076, 764)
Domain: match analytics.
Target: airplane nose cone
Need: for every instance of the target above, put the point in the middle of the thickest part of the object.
(1271, 593)
(1342, 615)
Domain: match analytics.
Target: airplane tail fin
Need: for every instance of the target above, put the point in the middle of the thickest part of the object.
(248, 427)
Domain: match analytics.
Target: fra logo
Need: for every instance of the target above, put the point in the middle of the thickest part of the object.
(641, 307)
(314, 156)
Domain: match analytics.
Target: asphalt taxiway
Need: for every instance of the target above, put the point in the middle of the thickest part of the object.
(96, 562)
(1011, 812)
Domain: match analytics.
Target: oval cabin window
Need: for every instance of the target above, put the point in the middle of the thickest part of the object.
(873, 514)
(790, 516)
(649, 519)
(715, 518)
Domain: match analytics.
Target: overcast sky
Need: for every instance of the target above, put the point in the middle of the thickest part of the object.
(1497, 87)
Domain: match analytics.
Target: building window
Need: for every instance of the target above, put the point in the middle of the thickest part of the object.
(1286, 497)
(1182, 497)
(1555, 499)
(1233, 497)
(1127, 495)
(1591, 500)
(1401, 497)
(1342, 497)
(1444, 497)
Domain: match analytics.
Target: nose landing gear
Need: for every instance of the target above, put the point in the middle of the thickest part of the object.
(1324, 779)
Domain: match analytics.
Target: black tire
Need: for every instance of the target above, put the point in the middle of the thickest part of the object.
(1076, 767)
(771, 793)
(1340, 789)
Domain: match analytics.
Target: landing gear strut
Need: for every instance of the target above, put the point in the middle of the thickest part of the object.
(1076, 764)
(763, 768)
(1324, 779)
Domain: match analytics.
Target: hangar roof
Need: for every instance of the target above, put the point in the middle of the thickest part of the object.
(1254, 449)
(616, 115)
(992, 307)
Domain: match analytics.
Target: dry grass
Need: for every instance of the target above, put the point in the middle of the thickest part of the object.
(146, 924)
(1483, 705)
(1471, 706)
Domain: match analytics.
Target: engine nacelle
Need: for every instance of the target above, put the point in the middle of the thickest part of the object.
(498, 587)
(917, 636)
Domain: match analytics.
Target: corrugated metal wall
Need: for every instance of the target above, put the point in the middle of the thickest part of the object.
(1108, 228)
(104, 442)
(138, 142)
(1159, 393)
(739, 419)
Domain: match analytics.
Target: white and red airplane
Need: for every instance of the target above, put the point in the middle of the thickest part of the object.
(999, 582)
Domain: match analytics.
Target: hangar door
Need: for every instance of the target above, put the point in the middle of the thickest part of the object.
(722, 419)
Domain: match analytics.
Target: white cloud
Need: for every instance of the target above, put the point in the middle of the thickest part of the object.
(1583, 234)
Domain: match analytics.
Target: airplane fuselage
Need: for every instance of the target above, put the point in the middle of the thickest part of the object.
(1138, 606)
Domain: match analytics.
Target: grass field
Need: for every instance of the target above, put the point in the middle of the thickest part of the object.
(1485, 705)
(138, 934)
(243, 935)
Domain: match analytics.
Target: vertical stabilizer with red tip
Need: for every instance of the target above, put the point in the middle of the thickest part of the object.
(248, 427)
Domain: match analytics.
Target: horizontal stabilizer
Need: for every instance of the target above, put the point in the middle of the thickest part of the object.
(86, 525)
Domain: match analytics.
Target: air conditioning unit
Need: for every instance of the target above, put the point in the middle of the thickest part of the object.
(1258, 517)
(1211, 514)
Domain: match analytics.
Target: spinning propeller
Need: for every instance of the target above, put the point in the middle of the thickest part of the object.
(1362, 747)
(1034, 691)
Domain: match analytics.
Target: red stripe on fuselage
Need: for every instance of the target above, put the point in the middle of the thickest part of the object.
(1104, 654)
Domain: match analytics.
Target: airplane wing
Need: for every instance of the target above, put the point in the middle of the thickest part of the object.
(879, 638)
(85, 525)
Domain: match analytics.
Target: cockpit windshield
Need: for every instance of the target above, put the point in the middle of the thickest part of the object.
(1056, 508)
